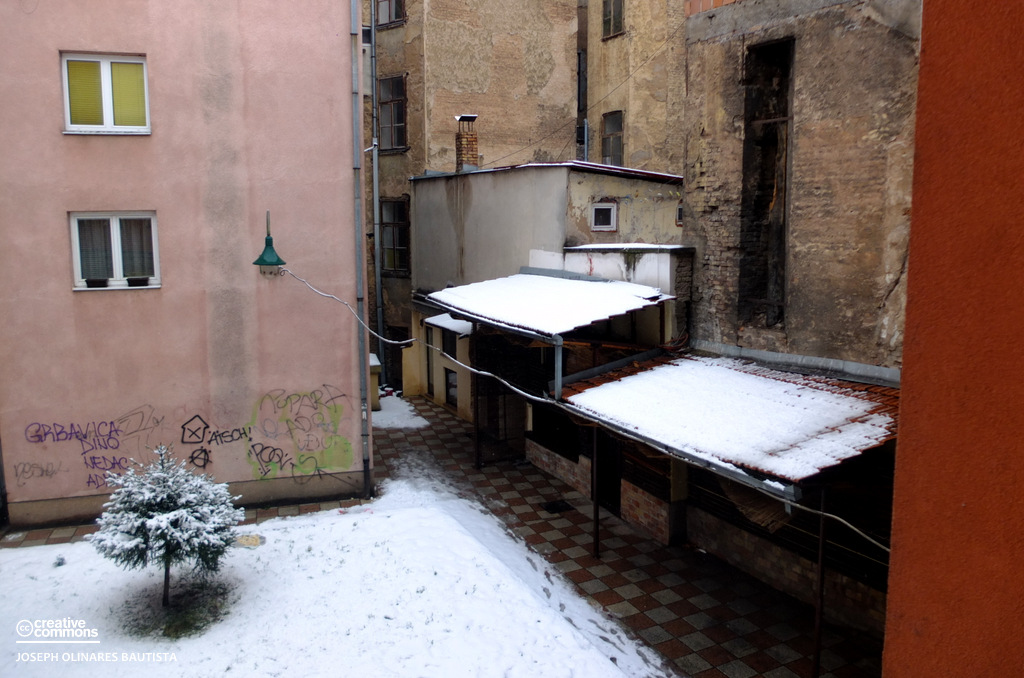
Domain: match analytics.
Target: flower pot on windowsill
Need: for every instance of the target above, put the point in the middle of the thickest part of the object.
(95, 282)
(138, 282)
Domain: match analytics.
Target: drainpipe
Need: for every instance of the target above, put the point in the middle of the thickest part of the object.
(375, 159)
(356, 30)
(593, 492)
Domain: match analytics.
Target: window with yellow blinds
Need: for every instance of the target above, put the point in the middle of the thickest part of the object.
(105, 94)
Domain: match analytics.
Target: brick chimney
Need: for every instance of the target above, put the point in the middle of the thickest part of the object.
(466, 147)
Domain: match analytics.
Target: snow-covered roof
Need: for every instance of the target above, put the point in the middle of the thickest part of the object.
(728, 413)
(462, 328)
(625, 247)
(546, 305)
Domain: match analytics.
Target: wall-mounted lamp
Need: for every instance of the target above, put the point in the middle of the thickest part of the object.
(269, 262)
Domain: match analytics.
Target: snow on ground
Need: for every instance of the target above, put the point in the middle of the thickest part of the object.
(396, 413)
(418, 583)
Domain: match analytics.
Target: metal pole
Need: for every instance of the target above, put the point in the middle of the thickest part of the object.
(477, 395)
(375, 160)
(558, 367)
(819, 597)
(360, 249)
(593, 492)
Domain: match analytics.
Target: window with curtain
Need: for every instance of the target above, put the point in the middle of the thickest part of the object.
(105, 94)
(391, 113)
(115, 250)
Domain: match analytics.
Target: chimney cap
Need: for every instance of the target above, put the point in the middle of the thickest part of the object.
(466, 117)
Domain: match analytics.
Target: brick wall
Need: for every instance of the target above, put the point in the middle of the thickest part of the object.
(577, 475)
(660, 519)
(646, 511)
(847, 602)
(851, 157)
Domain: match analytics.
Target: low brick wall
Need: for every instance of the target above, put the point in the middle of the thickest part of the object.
(651, 514)
(576, 475)
(847, 601)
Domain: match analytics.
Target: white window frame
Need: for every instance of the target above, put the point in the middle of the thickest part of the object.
(108, 126)
(614, 214)
(118, 279)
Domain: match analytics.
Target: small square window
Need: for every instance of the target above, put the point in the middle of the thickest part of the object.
(105, 94)
(114, 250)
(603, 216)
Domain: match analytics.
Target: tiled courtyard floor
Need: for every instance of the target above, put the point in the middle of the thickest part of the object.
(705, 617)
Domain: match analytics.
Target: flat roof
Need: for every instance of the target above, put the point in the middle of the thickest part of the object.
(733, 414)
(574, 165)
(543, 304)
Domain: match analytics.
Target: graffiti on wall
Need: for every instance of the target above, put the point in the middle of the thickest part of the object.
(103, 445)
(298, 434)
(289, 435)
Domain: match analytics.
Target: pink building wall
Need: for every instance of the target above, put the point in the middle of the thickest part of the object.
(251, 110)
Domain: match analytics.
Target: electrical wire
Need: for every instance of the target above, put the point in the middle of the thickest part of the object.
(556, 403)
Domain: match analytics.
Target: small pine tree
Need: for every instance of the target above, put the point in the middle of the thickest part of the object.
(166, 514)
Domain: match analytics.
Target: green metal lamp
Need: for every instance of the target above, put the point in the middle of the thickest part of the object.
(270, 264)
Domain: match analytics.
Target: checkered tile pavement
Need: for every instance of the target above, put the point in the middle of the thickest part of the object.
(705, 617)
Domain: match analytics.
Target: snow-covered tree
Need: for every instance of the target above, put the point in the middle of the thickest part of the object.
(166, 514)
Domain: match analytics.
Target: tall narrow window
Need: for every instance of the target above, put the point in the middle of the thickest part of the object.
(451, 387)
(430, 360)
(611, 138)
(389, 11)
(611, 18)
(392, 113)
(114, 250)
(105, 94)
(449, 343)
(768, 122)
(394, 233)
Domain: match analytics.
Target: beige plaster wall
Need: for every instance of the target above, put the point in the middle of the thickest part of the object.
(477, 226)
(646, 210)
(640, 72)
(510, 63)
(249, 377)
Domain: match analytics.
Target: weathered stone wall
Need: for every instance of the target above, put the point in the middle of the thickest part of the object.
(850, 168)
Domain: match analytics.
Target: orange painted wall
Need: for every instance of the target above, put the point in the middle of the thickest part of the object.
(956, 598)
